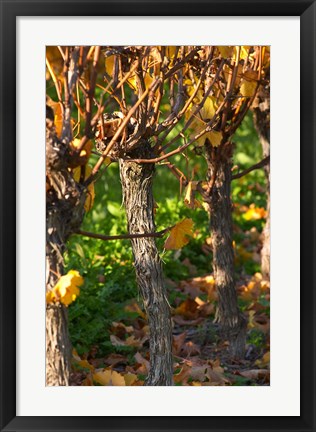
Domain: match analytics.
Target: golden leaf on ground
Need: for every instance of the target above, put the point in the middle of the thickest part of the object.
(264, 361)
(66, 289)
(188, 309)
(86, 365)
(177, 343)
(179, 235)
(109, 378)
(130, 379)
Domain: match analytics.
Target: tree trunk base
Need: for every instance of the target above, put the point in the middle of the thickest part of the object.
(58, 349)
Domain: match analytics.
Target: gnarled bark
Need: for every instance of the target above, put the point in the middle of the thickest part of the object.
(64, 213)
(139, 205)
(231, 320)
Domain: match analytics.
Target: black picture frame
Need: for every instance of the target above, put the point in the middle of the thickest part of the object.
(306, 10)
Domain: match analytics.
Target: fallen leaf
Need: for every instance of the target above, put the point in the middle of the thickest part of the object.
(114, 359)
(256, 374)
(130, 379)
(109, 378)
(188, 309)
(178, 342)
(116, 341)
(134, 307)
(199, 373)
(264, 361)
(142, 361)
(190, 349)
(77, 173)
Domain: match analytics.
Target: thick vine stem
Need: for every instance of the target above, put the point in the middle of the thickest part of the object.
(64, 213)
(231, 320)
(139, 205)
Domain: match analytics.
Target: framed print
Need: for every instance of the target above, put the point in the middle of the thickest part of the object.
(154, 207)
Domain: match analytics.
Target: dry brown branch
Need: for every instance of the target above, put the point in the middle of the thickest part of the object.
(157, 234)
(122, 126)
(258, 165)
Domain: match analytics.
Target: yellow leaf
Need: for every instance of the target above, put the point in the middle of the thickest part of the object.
(265, 361)
(215, 138)
(189, 199)
(109, 378)
(85, 152)
(58, 115)
(58, 119)
(130, 379)
(209, 109)
(76, 172)
(86, 365)
(179, 235)
(89, 198)
(109, 64)
(255, 213)
(249, 84)
(244, 52)
(225, 51)
(248, 88)
(171, 51)
(66, 289)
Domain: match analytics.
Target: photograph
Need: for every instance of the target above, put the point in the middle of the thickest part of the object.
(157, 215)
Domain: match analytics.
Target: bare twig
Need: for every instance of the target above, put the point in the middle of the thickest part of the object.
(89, 100)
(122, 126)
(157, 234)
(258, 165)
(55, 81)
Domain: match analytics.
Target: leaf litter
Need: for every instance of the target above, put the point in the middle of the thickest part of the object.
(200, 357)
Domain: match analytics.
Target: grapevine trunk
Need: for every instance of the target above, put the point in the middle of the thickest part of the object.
(231, 320)
(139, 205)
